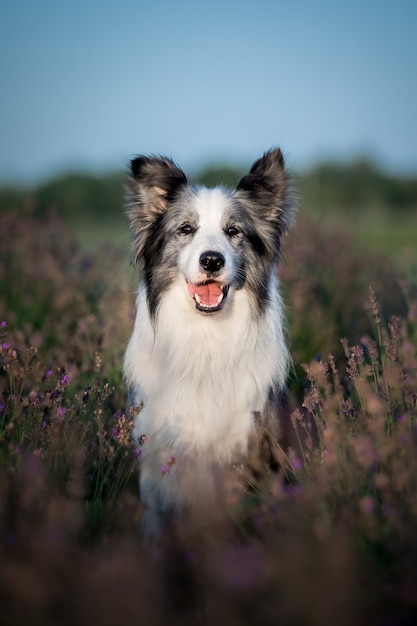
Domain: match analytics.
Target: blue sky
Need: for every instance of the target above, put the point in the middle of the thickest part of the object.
(89, 84)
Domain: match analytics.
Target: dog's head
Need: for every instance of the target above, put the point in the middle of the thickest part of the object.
(218, 240)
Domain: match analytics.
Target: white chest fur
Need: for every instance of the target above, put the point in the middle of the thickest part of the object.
(201, 378)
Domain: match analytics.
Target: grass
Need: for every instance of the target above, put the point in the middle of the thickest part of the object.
(380, 231)
(328, 539)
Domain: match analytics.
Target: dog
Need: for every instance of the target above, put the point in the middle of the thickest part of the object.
(207, 361)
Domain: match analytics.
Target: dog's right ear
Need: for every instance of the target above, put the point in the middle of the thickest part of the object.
(151, 186)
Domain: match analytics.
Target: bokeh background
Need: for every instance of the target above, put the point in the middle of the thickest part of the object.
(330, 538)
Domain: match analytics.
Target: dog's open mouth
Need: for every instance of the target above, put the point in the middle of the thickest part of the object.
(209, 295)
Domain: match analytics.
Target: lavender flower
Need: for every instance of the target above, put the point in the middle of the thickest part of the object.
(65, 380)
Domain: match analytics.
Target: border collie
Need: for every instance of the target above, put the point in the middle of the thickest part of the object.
(207, 361)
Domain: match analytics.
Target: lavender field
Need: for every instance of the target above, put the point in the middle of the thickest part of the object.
(330, 539)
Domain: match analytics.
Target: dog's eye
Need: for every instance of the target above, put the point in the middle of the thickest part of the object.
(232, 231)
(186, 229)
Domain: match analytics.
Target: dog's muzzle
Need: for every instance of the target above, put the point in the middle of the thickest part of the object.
(210, 294)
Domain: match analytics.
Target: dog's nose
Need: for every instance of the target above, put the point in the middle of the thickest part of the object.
(212, 262)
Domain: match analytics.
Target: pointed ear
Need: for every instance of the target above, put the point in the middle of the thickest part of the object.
(268, 187)
(152, 185)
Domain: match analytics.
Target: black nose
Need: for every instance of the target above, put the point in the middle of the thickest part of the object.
(212, 261)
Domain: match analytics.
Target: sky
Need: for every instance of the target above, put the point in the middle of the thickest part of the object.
(88, 84)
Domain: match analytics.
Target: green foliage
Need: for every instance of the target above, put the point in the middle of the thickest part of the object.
(11, 198)
(80, 195)
(76, 197)
(356, 187)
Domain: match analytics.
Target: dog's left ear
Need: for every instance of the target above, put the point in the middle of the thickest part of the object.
(152, 185)
(269, 188)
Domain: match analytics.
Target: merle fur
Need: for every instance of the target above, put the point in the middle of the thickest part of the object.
(160, 200)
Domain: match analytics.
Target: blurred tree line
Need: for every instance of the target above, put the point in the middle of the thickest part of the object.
(328, 187)
(356, 186)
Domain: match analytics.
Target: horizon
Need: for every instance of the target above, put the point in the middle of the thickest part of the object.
(193, 175)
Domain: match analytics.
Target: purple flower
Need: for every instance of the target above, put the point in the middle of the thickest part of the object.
(137, 452)
(164, 470)
(65, 380)
(60, 411)
(3, 324)
(5, 345)
(2, 405)
(48, 373)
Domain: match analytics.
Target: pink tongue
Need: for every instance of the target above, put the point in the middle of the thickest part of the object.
(208, 294)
